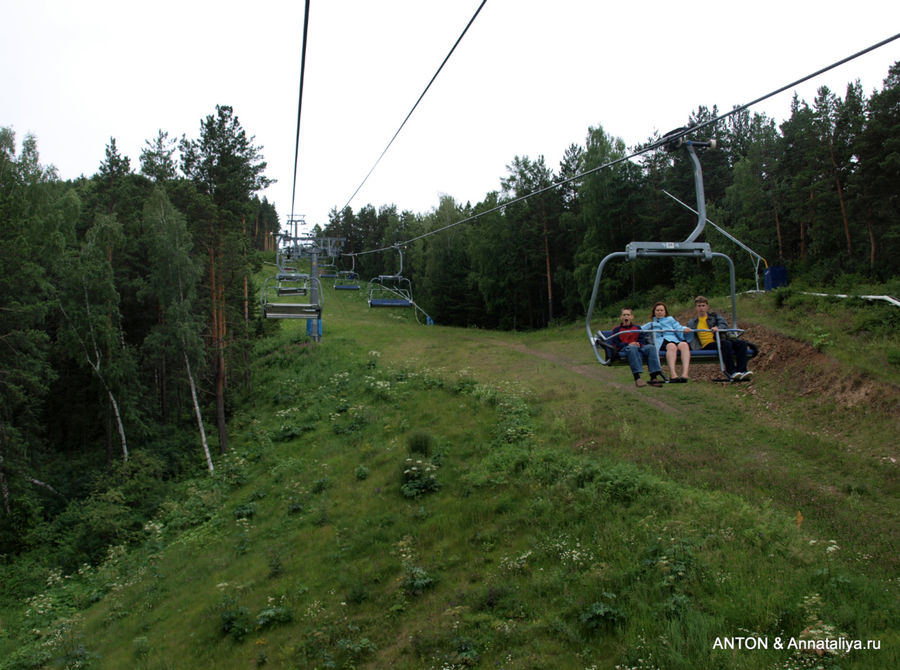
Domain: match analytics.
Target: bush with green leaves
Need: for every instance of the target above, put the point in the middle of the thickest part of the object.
(418, 478)
(235, 619)
(602, 614)
(273, 616)
(416, 581)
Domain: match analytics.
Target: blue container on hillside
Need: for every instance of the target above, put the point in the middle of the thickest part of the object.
(775, 277)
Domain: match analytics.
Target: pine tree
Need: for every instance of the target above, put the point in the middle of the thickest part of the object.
(227, 169)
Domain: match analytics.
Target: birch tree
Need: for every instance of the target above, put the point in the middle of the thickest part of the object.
(173, 280)
(89, 304)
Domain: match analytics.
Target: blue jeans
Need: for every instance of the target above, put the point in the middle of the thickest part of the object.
(636, 355)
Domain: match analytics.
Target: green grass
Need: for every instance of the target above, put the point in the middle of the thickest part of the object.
(858, 333)
(575, 521)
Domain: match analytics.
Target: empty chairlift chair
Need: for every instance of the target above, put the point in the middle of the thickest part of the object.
(391, 290)
(347, 280)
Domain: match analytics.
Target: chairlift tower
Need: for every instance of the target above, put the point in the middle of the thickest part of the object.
(289, 281)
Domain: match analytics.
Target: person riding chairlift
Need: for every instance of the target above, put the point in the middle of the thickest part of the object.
(670, 335)
(734, 351)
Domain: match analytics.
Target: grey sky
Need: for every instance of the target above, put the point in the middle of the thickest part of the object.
(529, 78)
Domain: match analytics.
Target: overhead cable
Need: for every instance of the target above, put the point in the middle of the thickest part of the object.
(639, 152)
(458, 40)
(299, 105)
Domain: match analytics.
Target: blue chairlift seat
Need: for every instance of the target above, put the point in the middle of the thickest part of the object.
(389, 302)
(390, 291)
(346, 281)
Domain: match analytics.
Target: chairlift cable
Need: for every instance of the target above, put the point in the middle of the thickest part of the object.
(299, 106)
(721, 230)
(459, 39)
(802, 80)
(643, 150)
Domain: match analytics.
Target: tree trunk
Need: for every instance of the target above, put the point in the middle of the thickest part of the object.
(778, 229)
(119, 424)
(187, 365)
(38, 482)
(108, 438)
(4, 490)
(549, 276)
(164, 405)
(840, 194)
(871, 232)
(804, 225)
(217, 317)
(220, 399)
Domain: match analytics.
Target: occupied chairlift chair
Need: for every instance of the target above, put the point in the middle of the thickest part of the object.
(603, 342)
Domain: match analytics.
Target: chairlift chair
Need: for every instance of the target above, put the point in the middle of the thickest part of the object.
(291, 283)
(279, 293)
(603, 341)
(347, 280)
(278, 298)
(391, 290)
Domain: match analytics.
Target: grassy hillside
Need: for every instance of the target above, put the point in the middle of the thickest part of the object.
(402, 496)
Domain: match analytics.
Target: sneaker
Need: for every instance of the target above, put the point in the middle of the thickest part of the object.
(746, 375)
(734, 376)
(640, 383)
(656, 382)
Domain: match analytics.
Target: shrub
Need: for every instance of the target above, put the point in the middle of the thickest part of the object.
(245, 511)
(271, 616)
(416, 581)
(418, 478)
(602, 615)
(321, 485)
(235, 619)
(356, 649)
(893, 356)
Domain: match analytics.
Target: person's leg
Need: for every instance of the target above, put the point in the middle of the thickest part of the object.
(739, 347)
(685, 350)
(727, 356)
(633, 356)
(671, 354)
(651, 354)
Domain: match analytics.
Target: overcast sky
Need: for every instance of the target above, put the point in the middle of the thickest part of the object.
(529, 79)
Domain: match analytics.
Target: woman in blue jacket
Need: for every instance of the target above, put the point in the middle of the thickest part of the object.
(669, 336)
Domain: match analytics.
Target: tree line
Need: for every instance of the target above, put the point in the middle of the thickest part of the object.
(816, 193)
(127, 311)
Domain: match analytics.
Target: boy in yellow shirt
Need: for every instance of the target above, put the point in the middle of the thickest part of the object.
(734, 351)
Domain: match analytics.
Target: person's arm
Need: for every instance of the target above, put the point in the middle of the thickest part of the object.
(613, 335)
(689, 333)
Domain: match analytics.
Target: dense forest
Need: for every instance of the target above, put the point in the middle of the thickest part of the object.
(128, 297)
(816, 193)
